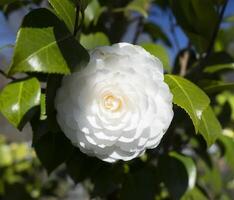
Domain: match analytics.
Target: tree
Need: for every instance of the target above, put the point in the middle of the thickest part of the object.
(54, 42)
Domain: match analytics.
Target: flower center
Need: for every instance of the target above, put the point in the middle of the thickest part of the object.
(112, 103)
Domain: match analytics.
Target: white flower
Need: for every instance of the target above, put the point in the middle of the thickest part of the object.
(118, 106)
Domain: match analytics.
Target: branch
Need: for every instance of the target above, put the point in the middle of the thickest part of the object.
(139, 30)
(6, 76)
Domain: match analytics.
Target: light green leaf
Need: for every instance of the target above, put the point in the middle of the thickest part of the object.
(160, 52)
(66, 11)
(43, 107)
(94, 40)
(140, 6)
(189, 97)
(194, 194)
(92, 12)
(209, 127)
(51, 48)
(17, 98)
(217, 68)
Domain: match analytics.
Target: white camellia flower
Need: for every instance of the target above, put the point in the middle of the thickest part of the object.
(118, 106)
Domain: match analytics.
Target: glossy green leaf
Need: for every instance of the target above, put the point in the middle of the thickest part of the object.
(156, 33)
(94, 40)
(209, 127)
(178, 172)
(66, 11)
(18, 98)
(140, 6)
(198, 19)
(50, 46)
(189, 97)
(219, 67)
(160, 52)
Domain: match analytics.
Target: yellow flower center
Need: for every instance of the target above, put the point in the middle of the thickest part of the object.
(112, 102)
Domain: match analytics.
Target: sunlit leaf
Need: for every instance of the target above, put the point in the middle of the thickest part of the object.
(160, 52)
(140, 6)
(94, 40)
(18, 98)
(50, 46)
(209, 127)
(189, 97)
(66, 11)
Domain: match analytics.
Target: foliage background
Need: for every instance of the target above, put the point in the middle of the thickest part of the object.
(193, 38)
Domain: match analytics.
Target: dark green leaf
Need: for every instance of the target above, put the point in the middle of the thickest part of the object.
(198, 19)
(218, 86)
(53, 149)
(18, 98)
(139, 185)
(209, 127)
(50, 46)
(189, 97)
(94, 40)
(219, 67)
(159, 52)
(156, 33)
(178, 173)
(5, 2)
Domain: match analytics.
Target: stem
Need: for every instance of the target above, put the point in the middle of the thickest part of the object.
(6, 76)
(139, 30)
(202, 62)
(76, 27)
(216, 31)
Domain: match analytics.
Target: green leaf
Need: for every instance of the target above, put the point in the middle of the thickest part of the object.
(94, 40)
(5, 2)
(140, 6)
(53, 149)
(228, 143)
(93, 12)
(219, 67)
(18, 98)
(50, 46)
(66, 11)
(160, 52)
(198, 19)
(189, 97)
(209, 127)
(218, 86)
(156, 33)
(139, 185)
(229, 19)
(194, 194)
(178, 173)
